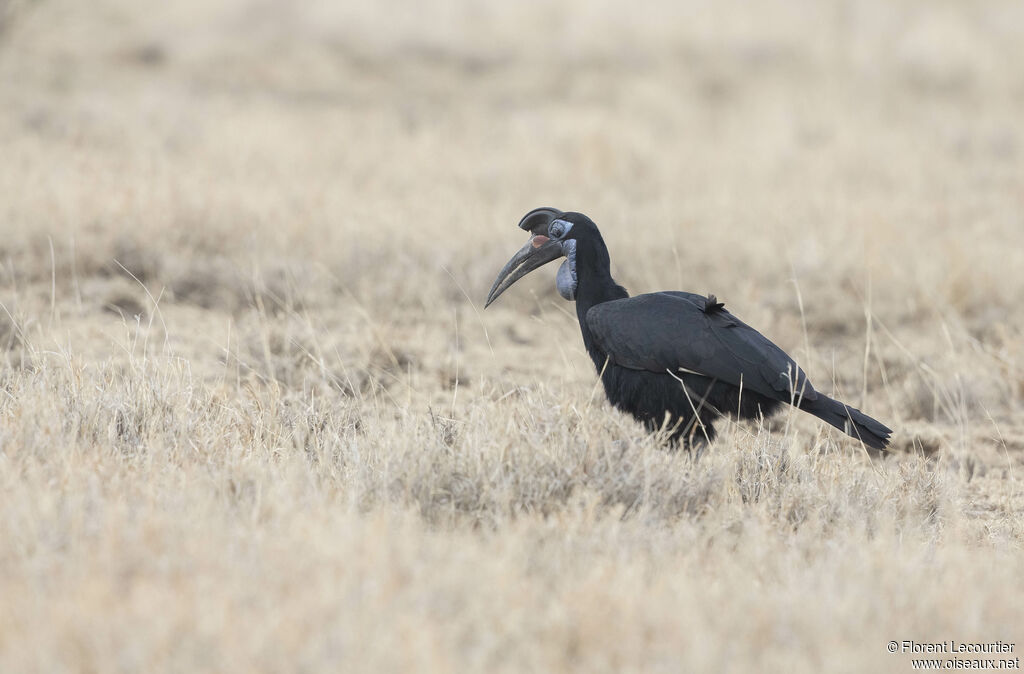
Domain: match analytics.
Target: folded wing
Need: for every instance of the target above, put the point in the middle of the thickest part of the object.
(676, 331)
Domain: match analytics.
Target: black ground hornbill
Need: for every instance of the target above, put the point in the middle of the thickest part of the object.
(674, 360)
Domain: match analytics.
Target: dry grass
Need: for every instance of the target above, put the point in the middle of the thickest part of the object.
(252, 418)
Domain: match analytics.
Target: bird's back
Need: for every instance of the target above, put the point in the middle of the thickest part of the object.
(674, 331)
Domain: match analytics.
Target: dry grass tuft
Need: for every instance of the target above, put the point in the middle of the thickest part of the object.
(252, 417)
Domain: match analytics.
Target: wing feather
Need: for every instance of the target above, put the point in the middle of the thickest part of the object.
(678, 330)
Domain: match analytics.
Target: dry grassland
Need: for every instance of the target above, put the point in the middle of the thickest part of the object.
(253, 419)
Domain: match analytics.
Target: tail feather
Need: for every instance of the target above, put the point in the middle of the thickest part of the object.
(850, 420)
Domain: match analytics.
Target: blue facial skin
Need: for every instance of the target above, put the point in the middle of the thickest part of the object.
(566, 279)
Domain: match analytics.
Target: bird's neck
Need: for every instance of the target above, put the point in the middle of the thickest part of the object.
(595, 285)
(593, 291)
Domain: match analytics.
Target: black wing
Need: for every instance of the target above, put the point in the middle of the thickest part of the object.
(674, 330)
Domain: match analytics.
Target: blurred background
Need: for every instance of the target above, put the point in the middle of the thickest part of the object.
(374, 157)
(253, 416)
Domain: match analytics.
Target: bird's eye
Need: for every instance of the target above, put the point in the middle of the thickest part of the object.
(556, 229)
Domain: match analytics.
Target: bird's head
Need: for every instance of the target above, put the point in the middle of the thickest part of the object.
(553, 234)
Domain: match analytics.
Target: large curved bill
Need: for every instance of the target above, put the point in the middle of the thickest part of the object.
(537, 252)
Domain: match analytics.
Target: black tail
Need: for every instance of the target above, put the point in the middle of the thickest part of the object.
(849, 420)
